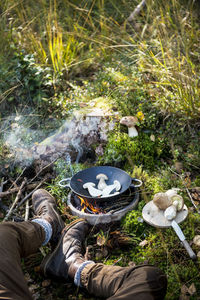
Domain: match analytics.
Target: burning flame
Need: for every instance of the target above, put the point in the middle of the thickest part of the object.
(88, 207)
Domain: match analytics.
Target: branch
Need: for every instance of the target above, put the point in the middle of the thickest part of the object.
(14, 190)
(136, 11)
(27, 211)
(30, 194)
(16, 199)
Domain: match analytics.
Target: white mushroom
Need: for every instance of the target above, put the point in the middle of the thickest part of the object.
(101, 185)
(116, 185)
(92, 191)
(170, 212)
(196, 240)
(171, 193)
(161, 200)
(179, 200)
(130, 122)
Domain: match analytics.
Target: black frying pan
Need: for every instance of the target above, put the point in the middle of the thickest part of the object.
(89, 175)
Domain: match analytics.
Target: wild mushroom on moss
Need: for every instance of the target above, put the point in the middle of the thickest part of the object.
(130, 122)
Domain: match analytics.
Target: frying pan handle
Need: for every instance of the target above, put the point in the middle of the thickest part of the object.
(63, 184)
(136, 185)
(181, 236)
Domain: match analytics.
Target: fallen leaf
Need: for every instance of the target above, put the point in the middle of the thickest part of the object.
(101, 240)
(37, 269)
(143, 243)
(184, 289)
(131, 264)
(192, 289)
(46, 283)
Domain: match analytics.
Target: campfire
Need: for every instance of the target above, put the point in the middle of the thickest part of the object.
(96, 212)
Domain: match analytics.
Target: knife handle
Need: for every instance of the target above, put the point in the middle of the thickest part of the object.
(189, 250)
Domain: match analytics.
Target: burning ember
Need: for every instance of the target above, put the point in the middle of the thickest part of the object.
(85, 206)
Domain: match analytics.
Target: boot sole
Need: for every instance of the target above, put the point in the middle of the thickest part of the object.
(49, 257)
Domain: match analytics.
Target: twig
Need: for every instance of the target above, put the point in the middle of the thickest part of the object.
(1, 190)
(1, 186)
(27, 211)
(51, 163)
(14, 183)
(16, 199)
(14, 190)
(192, 201)
(136, 11)
(187, 190)
(30, 194)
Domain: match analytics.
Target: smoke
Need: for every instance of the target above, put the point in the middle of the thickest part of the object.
(27, 141)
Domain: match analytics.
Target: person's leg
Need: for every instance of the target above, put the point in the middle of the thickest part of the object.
(115, 283)
(139, 283)
(19, 240)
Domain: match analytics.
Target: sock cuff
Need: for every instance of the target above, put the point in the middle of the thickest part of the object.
(47, 229)
(77, 277)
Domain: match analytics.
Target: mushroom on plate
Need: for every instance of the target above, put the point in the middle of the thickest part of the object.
(92, 191)
(161, 200)
(130, 122)
(171, 211)
(180, 202)
(102, 184)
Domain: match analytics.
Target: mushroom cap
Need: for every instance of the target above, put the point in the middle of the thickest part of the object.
(170, 213)
(171, 193)
(161, 200)
(87, 184)
(180, 202)
(129, 121)
(101, 175)
(117, 185)
(196, 240)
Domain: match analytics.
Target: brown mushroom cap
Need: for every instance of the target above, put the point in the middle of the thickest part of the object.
(161, 200)
(129, 121)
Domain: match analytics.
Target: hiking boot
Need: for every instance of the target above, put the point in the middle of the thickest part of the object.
(67, 256)
(44, 206)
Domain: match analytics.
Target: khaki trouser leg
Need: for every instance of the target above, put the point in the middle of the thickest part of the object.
(115, 283)
(17, 240)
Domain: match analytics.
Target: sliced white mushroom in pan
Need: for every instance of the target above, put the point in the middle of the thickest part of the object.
(102, 184)
(91, 189)
(116, 185)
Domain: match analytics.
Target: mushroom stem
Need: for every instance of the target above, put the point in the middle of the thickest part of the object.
(132, 131)
(92, 191)
(116, 185)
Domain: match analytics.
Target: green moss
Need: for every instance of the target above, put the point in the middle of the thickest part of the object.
(141, 150)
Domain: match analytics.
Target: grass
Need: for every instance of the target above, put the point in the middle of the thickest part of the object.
(56, 55)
